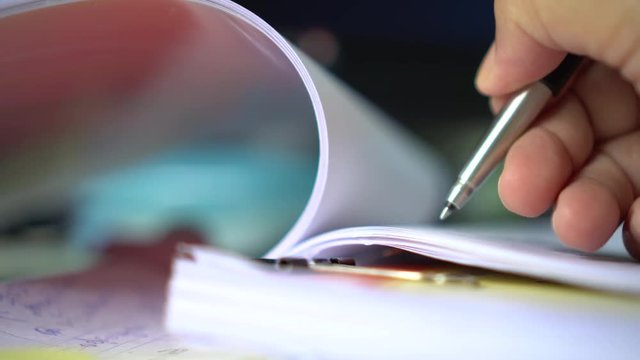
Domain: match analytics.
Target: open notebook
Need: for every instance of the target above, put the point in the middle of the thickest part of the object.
(302, 166)
(300, 161)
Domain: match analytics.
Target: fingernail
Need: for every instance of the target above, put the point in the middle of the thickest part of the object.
(485, 71)
(496, 104)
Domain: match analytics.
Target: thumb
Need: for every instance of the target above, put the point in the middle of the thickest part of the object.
(533, 36)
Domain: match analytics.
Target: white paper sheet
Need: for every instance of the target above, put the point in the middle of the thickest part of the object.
(105, 314)
(112, 312)
(518, 251)
(310, 317)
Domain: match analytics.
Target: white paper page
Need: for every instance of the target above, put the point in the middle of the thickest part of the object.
(307, 316)
(370, 172)
(113, 313)
(533, 254)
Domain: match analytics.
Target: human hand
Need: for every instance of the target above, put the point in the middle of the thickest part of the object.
(583, 154)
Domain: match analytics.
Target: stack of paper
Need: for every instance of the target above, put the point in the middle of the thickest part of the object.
(213, 296)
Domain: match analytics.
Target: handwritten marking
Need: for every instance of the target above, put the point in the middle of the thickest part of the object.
(112, 338)
(115, 315)
(21, 337)
(177, 351)
(48, 331)
(158, 339)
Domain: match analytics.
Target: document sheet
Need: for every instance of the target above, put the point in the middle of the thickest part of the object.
(112, 312)
(314, 316)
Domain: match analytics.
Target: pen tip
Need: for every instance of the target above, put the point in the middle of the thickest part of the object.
(448, 210)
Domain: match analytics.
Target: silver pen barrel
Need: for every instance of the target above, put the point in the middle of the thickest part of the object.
(509, 124)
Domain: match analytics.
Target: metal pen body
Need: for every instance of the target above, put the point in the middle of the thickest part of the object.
(508, 125)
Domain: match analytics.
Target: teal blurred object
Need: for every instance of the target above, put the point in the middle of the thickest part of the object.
(240, 199)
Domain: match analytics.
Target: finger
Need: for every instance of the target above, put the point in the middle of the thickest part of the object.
(631, 230)
(532, 37)
(624, 151)
(590, 208)
(586, 214)
(610, 101)
(540, 163)
(502, 71)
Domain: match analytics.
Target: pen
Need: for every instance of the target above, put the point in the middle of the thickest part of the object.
(514, 118)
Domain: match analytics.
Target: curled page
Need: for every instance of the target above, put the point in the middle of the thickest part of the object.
(528, 252)
(283, 150)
